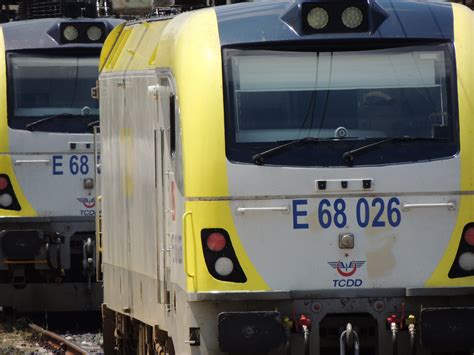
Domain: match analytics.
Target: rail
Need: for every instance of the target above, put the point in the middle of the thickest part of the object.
(58, 342)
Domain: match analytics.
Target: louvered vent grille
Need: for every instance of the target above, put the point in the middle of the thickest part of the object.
(34, 9)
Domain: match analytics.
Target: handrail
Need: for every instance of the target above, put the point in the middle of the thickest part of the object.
(32, 161)
(98, 238)
(283, 209)
(450, 205)
(185, 240)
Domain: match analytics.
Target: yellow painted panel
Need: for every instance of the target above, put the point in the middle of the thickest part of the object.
(190, 46)
(6, 167)
(197, 66)
(118, 50)
(464, 46)
(145, 55)
(109, 45)
(215, 214)
(135, 48)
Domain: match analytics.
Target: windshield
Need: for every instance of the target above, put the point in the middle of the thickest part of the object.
(347, 99)
(43, 86)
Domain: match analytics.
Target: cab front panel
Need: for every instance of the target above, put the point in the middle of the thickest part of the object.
(364, 222)
(300, 202)
(47, 173)
(389, 223)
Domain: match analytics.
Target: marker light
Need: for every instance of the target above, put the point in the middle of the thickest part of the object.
(94, 33)
(70, 33)
(318, 18)
(6, 200)
(3, 183)
(216, 242)
(224, 266)
(352, 17)
(466, 261)
(469, 236)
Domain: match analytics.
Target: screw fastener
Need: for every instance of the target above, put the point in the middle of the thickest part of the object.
(346, 241)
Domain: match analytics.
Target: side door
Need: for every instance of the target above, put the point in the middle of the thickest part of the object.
(165, 216)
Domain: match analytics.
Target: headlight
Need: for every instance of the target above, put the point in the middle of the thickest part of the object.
(94, 33)
(352, 17)
(317, 18)
(224, 266)
(70, 33)
(6, 200)
(466, 261)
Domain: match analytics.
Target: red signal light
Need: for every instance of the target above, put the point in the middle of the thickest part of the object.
(469, 236)
(3, 183)
(216, 241)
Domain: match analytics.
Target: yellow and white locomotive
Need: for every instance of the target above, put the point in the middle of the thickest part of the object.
(290, 177)
(47, 198)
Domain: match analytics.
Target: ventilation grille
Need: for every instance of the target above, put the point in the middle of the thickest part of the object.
(35, 9)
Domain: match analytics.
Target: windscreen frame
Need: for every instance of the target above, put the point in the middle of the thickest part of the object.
(55, 126)
(237, 153)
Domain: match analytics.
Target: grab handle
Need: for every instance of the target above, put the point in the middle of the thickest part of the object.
(185, 237)
(450, 205)
(283, 209)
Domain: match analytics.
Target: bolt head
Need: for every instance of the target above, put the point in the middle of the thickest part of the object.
(346, 241)
(379, 305)
(316, 307)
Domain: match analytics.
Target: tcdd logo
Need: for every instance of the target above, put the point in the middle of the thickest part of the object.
(87, 202)
(346, 269)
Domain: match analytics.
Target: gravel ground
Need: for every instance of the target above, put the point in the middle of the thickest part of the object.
(17, 339)
(91, 342)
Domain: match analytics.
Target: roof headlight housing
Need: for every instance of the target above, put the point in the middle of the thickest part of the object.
(94, 33)
(317, 18)
(352, 17)
(70, 33)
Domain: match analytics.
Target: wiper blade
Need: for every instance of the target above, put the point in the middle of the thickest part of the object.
(259, 157)
(30, 125)
(93, 123)
(348, 156)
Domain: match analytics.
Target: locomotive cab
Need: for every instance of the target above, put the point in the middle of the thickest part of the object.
(47, 173)
(302, 185)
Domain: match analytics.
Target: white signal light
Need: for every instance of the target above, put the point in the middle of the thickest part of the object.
(318, 18)
(70, 33)
(94, 33)
(6, 200)
(466, 261)
(224, 266)
(352, 17)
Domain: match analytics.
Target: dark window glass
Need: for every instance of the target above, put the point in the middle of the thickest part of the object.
(43, 86)
(347, 99)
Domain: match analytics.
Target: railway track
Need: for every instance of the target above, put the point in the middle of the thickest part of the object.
(57, 342)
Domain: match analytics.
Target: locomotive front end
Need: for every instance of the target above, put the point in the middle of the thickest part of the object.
(344, 199)
(290, 177)
(47, 174)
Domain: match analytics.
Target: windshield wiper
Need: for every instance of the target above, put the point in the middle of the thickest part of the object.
(85, 111)
(93, 123)
(259, 157)
(30, 125)
(348, 156)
